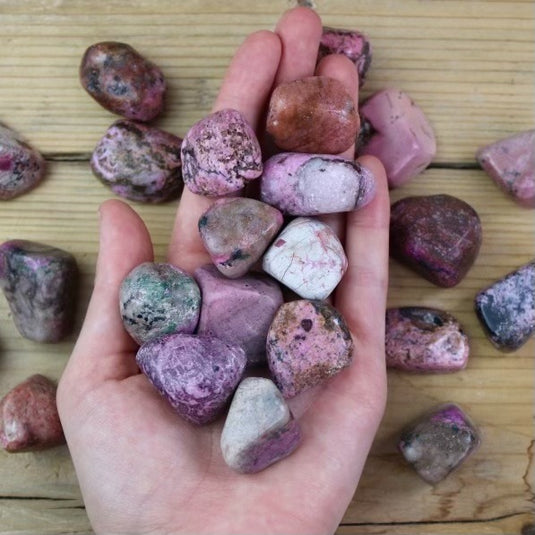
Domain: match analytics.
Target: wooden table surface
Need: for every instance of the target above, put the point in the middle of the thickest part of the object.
(468, 64)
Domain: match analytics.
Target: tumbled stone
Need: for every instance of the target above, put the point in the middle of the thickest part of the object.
(236, 232)
(139, 162)
(438, 236)
(396, 130)
(220, 154)
(510, 163)
(197, 374)
(307, 342)
(314, 115)
(39, 282)
(438, 442)
(351, 43)
(506, 309)
(21, 166)
(121, 80)
(158, 299)
(238, 311)
(307, 257)
(260, 429)
(311, 184)
(420, 339)
(29, 417)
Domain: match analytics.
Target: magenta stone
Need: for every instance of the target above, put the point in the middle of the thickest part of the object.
(420, 339)
(196, 374)
(395, 130)
(438, 236)
(220, 154)
(121, 80)
(21, 166)
(352, 44)
(260, 429)
(238, 311)
(506, 309)
(510, 163)
(307, 343)
(40, 285)
(438, 442)
(236, 232)
(311, 184)
(139, 162)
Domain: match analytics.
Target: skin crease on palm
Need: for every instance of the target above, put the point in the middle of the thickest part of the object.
(141, 468)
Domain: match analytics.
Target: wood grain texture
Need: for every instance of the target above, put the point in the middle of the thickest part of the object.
(469, 64)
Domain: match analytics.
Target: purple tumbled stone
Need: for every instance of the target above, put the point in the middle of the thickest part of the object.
(121, 80)
(420, 339)
(260, 429)
(236, 232)
(158, 299)
(220, 154)
(238, 311)
(506, 309)
(510, 163)
(351, 43)
(39, 282)
(438, 236)
(395, 130)
(311, 184)
(139, 162)
(438, 442)
(197, 374)
(307, 343)
(21, 166)
(307, 257)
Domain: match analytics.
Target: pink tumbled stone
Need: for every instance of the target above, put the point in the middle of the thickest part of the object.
(307, 342)
(510, 163)
(395, 130)
(420, 339)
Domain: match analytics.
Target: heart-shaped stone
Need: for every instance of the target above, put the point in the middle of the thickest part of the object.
(438, 236)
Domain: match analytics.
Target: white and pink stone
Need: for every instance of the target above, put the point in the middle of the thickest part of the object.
(238, 311)
(396, 130)
(307, 257)
(510, 163)
(307, 343)
(311, 184)
(260, 429)
(237, 231)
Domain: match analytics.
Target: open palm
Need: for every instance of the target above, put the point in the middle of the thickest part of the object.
(141, 468)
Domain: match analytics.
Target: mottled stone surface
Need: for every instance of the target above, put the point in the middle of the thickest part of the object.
(510, 163)
(236, 232)
(197, 374)
(396, 130)
(40, 285)
(314, 115)
(158, 299)
(139, 162)
(438, 442)
(351, 43)
(307, 343)
(21, 166)
(311, 184)
(438, 236)
(220, 154)
(29, 417)
(307, 257)
(238, 311)
(260, 429)
(121, 80)
(506, 309)
(420, 339)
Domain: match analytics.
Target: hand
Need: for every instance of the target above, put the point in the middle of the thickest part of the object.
(141, 468)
